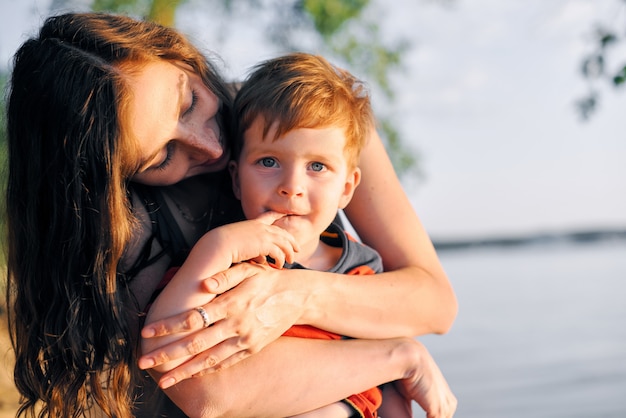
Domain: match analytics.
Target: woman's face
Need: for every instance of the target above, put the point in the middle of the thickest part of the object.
(173, 115)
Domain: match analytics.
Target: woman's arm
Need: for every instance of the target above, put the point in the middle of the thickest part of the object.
(414, 297)
(414, 292)
(335, 369)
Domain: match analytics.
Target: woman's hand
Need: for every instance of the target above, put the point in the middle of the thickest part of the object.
(259, 307)
(425, 384)
(216, 251)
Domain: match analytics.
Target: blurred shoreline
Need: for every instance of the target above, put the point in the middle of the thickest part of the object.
(582, 236)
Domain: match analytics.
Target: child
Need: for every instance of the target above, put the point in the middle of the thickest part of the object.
(301, 124)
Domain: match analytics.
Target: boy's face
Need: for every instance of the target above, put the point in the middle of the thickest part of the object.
(303, 174)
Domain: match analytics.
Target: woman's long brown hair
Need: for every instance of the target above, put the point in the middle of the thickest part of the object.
(69, 216)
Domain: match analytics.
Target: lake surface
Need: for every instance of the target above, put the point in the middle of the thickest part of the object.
(541, 331)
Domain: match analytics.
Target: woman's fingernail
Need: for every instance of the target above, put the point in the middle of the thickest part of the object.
(212, 284)
(170, 381)
(148, 332)
(146, 363)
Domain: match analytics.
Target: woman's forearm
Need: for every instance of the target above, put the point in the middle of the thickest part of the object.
(414, 293)
(405, 302)
(293, 375)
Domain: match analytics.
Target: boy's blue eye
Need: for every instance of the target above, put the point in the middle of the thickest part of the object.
(267, 162)
(317, 166)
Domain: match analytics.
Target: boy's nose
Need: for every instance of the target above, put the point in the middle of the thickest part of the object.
(291, 186)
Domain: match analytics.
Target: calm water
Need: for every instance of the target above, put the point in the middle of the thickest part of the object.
(541, 331)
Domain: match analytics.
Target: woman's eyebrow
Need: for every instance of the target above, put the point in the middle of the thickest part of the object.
(183, 81)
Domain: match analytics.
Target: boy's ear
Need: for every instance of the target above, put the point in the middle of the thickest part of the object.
(352, 181)
(234, 176)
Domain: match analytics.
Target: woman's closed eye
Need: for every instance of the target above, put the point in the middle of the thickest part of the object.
(169, 153)
(192, 105)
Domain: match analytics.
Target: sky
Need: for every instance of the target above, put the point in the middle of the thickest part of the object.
(486, 100)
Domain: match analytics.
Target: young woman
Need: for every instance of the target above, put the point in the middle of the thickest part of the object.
(117, 147)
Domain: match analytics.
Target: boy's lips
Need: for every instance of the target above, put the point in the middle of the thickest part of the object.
(285, 212)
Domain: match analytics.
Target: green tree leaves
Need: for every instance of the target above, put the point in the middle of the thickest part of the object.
(595, 66)
(330, 15)
(161, 11)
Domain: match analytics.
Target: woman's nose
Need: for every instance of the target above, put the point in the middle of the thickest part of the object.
(205, 146)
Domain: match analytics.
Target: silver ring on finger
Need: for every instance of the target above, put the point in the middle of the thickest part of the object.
(206, 322)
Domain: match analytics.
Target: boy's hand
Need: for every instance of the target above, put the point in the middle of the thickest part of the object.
(255, 239)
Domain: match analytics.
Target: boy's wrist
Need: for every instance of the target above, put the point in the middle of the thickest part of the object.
(222, 245)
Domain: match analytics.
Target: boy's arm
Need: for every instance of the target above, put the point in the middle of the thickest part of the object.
(216, 251)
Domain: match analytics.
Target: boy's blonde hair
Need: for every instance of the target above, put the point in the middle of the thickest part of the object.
(304, 91)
